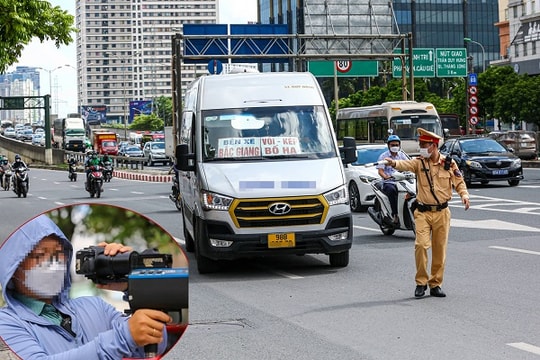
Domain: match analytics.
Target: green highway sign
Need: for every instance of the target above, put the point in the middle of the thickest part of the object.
(423, 63)
(344, 68)
(12, 103)
(452, 62)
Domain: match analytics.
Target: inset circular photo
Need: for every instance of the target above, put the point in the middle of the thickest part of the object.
(92, 281)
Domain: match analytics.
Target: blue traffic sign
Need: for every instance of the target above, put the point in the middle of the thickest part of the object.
(473, 79)
(215, 67)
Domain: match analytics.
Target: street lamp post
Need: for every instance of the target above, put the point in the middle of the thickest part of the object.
(124, 89)
(50, 71)
(483, 51)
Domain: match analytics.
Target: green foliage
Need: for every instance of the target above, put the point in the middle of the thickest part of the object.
(502, 94)
(163, 109)
(23, 20)
(147, 122)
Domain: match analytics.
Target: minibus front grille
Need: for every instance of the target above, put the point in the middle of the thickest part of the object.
(303, 210)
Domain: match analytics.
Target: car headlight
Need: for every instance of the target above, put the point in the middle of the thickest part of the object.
(473, 164)
(337, 196)
(516, 163)
(213, 201)
(367, 179)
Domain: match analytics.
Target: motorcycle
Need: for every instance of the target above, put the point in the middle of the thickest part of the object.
(72, 175)
(94, 181)
(381, 211)
(107, 171)
(175, 196)
(20, 181)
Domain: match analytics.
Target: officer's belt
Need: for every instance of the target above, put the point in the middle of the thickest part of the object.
(425, 207)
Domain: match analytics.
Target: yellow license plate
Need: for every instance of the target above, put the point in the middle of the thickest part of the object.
(286, 240)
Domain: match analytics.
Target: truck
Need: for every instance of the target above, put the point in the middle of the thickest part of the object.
(105, 142)
(69, 133)
(260, 170)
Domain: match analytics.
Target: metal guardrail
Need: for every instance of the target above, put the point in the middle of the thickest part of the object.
(119, 162)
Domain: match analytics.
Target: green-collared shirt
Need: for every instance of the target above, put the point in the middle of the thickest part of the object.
(40, 308)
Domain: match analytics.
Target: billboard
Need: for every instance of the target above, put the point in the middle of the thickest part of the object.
(139, 107)
(94, 115)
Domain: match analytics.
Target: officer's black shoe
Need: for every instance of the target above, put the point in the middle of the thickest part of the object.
(437, 292)
(420, 290)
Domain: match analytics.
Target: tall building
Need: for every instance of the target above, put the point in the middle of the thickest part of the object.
(332, 17)
(124, 49)
(23, 81)
(433, 23)
(446, 23)
(523, 52)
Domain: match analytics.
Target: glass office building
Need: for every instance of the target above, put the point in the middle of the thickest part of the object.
(433, 23)
(445, 23)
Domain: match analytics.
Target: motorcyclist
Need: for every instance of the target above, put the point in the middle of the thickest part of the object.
(18, 163)
(4, 165)
(386, 172)
(92, 160)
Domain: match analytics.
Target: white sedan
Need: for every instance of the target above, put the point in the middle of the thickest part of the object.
(359, 176)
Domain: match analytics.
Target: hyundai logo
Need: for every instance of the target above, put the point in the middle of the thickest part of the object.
(279, 208)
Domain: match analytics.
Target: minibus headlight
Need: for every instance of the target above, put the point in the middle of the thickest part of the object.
(337, 196)
(213, 201)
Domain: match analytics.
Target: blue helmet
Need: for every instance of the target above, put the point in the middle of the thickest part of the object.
(393, 138)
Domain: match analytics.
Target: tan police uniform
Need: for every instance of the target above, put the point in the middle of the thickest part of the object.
(432, 219)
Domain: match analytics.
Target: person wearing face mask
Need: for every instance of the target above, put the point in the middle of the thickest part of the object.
(436, 176)
(40, 320)
(386, 172)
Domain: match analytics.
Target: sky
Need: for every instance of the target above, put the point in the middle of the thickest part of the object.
(64, 79)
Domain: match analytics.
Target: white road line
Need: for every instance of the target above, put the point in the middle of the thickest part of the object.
(59, 203)
(42, 198)
(286, 274)
(137, 192)
(526, 347)
(530, 252)
(366, 228)
(491, 224)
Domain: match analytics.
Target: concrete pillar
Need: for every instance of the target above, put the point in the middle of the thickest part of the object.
(48, 157)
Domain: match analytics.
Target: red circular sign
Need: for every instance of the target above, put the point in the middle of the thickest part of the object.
(473, 110)
(473, 90)
(343, 66)
(473, 120)
(473, 100)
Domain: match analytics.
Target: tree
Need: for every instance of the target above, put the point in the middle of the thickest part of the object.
(163, 107)
(147, 122)
(23, 20)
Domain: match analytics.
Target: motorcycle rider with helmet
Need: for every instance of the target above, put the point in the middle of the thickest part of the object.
(4, 165)
(91, 161)
(386, 171)
(18, 163)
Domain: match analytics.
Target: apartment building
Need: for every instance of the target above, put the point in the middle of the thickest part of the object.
(124, 49)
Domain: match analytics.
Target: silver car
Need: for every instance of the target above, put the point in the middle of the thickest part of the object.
(153, 152)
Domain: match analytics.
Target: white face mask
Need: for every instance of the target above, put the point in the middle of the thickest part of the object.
(425, 153)
(46, 279)
(394, 149)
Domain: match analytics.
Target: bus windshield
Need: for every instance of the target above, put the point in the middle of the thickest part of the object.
(267, 132)
(406, 127)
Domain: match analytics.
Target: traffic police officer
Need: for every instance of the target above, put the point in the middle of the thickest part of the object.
(436, 175)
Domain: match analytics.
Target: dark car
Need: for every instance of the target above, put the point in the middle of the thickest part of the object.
(483, 159)
(131, 151)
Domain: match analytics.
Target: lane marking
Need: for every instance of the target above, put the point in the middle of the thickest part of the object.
(366, 228)
(285, 274)
(491, 224)
(42, 197)
(526, 347)
(530, 252)
(136, 192)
